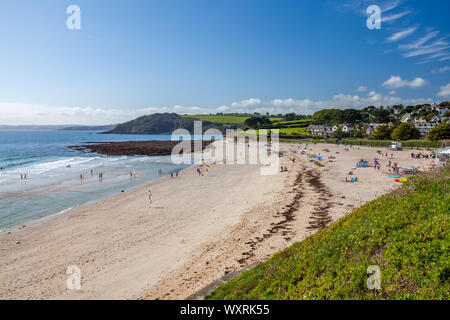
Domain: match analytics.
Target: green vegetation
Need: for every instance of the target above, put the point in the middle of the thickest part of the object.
(440, 132)
(405, 131)
(222, 119)
(405, 233)
(155, 124)
(382, 133)
(225, 119)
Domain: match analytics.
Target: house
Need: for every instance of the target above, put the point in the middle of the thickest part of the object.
(372, 127)
(423, 126)
(443, 109)
(405, 118)
(345, 128)
(319, 130)
(435, 119)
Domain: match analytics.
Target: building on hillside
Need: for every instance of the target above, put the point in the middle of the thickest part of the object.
(319, 130)
(435, 119)
(405, 118)
(423, 126)
(443, 109)
(345, 128)
(372, 127)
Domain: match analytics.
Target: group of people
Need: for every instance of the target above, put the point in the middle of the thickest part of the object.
(23, 176)
(421, 155)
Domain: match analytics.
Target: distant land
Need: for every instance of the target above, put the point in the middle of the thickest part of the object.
(89, 128)
(159, 123)
(70, 127)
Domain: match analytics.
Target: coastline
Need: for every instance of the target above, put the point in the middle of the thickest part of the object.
(199, 229)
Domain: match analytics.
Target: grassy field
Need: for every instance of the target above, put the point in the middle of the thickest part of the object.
(405, 234)
(224, 119)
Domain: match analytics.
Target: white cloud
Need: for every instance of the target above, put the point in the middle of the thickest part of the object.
(222, 109)
(392, 92)
(20, 113)
(395, 82)
(362, 89)
(441, 70)
(401, 34)
(393, 17)
(420, 47)
(247, 103)
(445, 91)
(23, 113)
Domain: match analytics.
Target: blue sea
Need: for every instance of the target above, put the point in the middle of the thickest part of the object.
(53, 183)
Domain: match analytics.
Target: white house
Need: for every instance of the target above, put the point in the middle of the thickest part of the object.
(405, 118)
(319, 130)
(423, 126)
(345, 128)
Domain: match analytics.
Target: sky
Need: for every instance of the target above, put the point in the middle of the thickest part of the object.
(132, 58)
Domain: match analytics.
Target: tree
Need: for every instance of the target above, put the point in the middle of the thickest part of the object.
(380, 115)
(256, 122)
(440, 132)
(329, 116)
(358, 132)
(381, 133)
(405, 131)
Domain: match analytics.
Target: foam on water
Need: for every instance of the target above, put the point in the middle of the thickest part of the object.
(52, 186)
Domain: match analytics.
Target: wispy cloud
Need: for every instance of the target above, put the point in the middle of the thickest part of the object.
(401, 34)
(393, 17)
(423, 47)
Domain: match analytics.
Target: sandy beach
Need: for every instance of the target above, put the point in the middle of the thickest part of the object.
(198, 230)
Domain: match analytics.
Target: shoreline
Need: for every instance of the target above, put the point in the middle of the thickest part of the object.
(198, 229)
(39, 221)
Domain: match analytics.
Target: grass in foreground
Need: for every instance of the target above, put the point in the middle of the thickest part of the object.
(405, 233)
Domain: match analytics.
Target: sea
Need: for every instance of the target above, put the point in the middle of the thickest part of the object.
(53, 170)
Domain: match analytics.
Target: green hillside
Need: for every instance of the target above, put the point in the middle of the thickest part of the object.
(224, 119)
(405, 233)
(156, 123)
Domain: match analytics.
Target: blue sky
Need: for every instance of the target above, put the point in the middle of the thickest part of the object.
(198, 56)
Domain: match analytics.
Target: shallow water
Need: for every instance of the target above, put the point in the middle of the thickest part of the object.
(51, 186)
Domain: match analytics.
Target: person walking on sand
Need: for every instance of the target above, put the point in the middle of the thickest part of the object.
(21, 176)
(150, 197)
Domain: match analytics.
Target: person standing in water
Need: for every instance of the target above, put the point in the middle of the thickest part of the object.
(150, 197)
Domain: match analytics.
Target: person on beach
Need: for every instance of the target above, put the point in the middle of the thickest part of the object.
(150, 197)
(81, 176)
(171, 174)
(21, 176)
(25, 176)
(92, 172)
